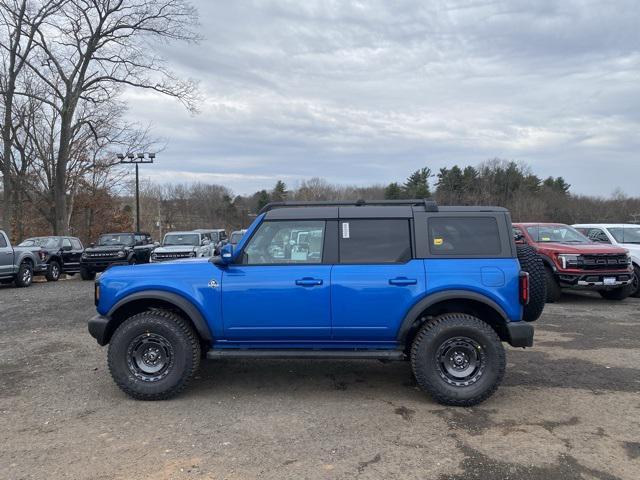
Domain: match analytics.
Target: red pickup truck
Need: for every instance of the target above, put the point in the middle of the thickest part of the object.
(574, 261)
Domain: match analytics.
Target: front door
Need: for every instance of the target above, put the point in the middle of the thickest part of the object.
(280, 290)
(376, 282)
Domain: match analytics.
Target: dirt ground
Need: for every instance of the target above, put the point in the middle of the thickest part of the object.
(569, 408)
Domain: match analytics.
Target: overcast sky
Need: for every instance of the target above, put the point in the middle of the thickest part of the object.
(366, 92)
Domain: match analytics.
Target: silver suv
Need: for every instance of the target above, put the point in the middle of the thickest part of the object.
(189, 244)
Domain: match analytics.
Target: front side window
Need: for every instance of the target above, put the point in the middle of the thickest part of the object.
(375, 241)
(276, 242)
(3, 242)
(66, 243)
(626, 234)
(464, 236)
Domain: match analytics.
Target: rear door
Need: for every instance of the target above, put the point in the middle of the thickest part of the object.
(376, 281)
(280, 290)
(72, 257)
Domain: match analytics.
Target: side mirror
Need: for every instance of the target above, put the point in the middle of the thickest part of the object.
(519, 238)
(156, 244)
(67, 248)
(92, 244)
(226, 254)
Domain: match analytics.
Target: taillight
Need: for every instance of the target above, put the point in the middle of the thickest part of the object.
(524, 288)
(43, 254)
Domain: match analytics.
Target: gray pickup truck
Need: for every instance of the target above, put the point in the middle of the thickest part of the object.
(18, 264)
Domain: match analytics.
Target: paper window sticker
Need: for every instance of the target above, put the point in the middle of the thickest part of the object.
(345, 230)
(438, 241)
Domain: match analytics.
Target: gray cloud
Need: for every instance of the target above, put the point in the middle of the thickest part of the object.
(365, 92)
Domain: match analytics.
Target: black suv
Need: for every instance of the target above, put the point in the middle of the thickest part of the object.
(115, 249)
(58, 254)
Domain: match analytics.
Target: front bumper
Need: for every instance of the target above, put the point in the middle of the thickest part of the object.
(101, 265)
(520, 334)
(99, 328)
(595, 280)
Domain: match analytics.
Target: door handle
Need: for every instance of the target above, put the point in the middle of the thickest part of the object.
(308, 282)
(402, 281)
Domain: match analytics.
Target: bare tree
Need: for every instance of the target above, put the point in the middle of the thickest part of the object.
(87, 52)
(21, 19)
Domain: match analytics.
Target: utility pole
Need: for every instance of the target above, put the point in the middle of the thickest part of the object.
(137, 160)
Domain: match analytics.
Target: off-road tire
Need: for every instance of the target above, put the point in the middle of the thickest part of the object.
(53, 271)
(554, 292)
(87, 274)
(636, 283)
(426, 365)
(24, 277)
(617, 293)
(532, 263)
(185, 358)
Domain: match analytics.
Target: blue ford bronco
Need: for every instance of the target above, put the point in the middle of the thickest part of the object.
(441, 287)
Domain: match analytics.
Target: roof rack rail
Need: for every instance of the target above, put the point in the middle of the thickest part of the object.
(428, 204)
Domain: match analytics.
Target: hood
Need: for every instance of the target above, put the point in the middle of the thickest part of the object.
(152, 270)
(578, 248)
(176, 249)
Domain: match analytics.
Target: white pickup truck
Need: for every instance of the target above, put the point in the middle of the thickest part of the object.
(18, 264)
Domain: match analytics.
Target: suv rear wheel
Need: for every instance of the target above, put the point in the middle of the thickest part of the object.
(458, 359)
(153, 355)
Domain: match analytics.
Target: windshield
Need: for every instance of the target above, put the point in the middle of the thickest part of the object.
(557, 234)
(626, 234)
(44, 242)
(116, 239)
(235, 237)
(181, 239)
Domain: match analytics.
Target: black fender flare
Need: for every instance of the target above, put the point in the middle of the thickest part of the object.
(415, 311)
(173, 298)
(548, 262)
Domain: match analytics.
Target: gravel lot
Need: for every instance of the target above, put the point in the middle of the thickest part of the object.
(569, 408)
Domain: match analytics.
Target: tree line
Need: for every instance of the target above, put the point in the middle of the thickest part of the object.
(165, 207)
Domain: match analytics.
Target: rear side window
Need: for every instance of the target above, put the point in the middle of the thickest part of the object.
(76, 244)
(474, 236)
(375, 241)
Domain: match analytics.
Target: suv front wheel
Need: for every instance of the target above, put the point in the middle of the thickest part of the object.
(153, 355)
(458, 359)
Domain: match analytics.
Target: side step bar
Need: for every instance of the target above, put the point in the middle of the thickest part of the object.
(307, 354)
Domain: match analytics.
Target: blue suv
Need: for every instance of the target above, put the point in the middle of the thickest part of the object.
(441, 287)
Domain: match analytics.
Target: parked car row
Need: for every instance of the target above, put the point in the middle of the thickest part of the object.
(52, 256)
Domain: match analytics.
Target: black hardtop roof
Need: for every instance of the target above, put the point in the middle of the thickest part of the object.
(364, 209)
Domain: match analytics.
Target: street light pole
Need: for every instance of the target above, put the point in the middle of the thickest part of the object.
(137, 160)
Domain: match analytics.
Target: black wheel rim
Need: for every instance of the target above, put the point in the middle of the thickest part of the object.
(150, 357)
(461, 361)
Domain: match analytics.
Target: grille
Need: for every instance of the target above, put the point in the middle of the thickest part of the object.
(100, 255)
(603, 262)
(171, 256)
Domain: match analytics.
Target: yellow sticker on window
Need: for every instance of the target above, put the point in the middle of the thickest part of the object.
(546, 239)
(438, 241)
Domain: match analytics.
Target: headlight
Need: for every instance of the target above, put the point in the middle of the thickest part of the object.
(568, 260)
(84, 255)
(629, 261)
(121, 254)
